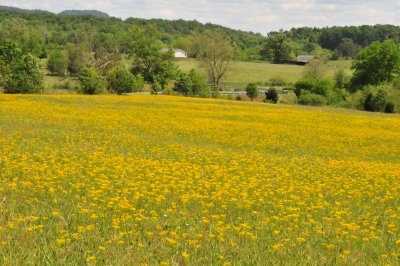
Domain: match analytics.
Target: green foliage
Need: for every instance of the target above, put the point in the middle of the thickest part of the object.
(312, 99)
(316, 69)
(199, 85)
(252, 91)
(91, 81)
(311, 87)
(320, 87)
(341, 80)
(76, 59)
(191, 84)
(276, 81)
(217, 53)
(378, 63)
(183, 84)
(277, 48)
(272, 95)
(19, 72)
(121, 81)
(376, 103)
(303, 85)
(155, 65)
(57, 64)
(347, 48)
(389, 108)
(27, 37)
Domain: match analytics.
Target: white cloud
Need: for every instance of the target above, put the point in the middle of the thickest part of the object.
(254, 15)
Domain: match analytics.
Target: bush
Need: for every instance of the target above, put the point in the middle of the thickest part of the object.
(312, 99)
(341, 79)
(276, 81)
(91, 81)
(57, 64)
(199, 84)
(389, 108)
(122, 81)
(322, 87)
(376, 103)
(272, 95)
(303, 85)
(183, 84)
(252, 91)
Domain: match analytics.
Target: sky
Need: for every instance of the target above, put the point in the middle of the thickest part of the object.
(260, 16)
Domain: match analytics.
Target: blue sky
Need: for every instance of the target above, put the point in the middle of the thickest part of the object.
(252, 15)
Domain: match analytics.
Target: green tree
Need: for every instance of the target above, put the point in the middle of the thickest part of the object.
(91, 81)
(77, 59)
(378, 63)
(28, 38)
(183, 84)
(272, 95)
(57, 64)
(121, 81)
(216, 53)
(156, 65)
(277, 48)
(199, 84)
(341, 80)
(252, 91)
(19, 72)
(316, 69)
(347, 48)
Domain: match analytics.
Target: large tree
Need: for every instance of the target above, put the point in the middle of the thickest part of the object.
(277, 48)
(378, 63)
(19, 72)
(216, 52)
(150, 60)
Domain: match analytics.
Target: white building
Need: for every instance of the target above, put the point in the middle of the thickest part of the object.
(177, 52)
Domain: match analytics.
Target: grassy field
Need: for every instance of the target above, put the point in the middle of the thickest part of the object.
(240, 73)
(244, 72)
(158, 180)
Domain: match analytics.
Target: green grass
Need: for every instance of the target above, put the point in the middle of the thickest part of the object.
(242, 73)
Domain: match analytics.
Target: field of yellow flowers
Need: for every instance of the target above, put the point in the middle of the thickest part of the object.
(158, 180)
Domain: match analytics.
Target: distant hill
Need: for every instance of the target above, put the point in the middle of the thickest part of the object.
(20, 10)
(95, 13)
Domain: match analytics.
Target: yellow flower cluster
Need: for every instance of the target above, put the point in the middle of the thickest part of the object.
(158, 180)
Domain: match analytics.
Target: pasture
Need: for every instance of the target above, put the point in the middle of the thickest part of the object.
(242, 73)
(159, 180)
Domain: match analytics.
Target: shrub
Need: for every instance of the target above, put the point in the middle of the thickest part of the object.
(199, 84)
(376, 103)
(122, 81)
(252, 91)
(272, 95)
(389, 108)
(276, 81)
(303, 85)
(91, 81)
(312, 99)
(183, 84)
(322, 87)
(341, 79)
(57, 64)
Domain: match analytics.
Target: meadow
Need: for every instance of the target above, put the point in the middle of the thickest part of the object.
(160, 180)
(242, 73)
(239, 73)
